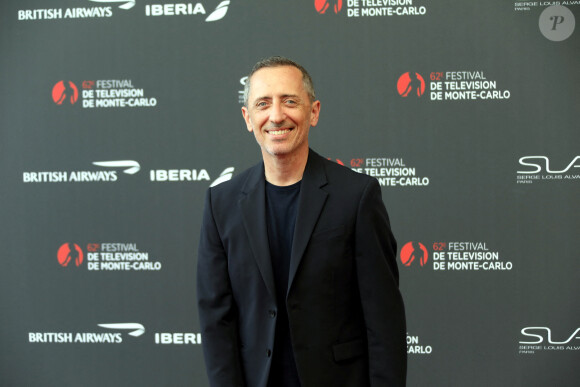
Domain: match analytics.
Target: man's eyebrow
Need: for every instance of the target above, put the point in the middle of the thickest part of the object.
(282, 96)
(291, 96)
(261, 99)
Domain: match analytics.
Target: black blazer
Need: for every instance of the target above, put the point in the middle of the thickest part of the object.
(346, 314)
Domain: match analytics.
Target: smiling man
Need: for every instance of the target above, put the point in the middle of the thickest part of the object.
(297, 277)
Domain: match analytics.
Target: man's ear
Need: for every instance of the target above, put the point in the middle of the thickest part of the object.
(246, 115)
(314, 113)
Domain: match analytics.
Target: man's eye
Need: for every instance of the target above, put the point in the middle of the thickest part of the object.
(261, 104)
(291, 102)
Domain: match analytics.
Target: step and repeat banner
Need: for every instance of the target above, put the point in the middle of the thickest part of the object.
(116, 116)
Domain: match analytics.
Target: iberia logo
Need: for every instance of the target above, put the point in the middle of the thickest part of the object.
(411, 83)
(68, 253)
(414, 251)
(65, 91)
(323, 5)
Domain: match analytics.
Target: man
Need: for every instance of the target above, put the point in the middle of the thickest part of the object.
(297, 277)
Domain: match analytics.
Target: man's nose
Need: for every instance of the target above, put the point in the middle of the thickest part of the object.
(276, 112)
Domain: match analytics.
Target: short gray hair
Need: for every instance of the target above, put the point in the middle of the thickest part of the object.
(279, 61)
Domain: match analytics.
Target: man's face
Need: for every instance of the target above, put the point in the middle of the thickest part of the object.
(279, 111)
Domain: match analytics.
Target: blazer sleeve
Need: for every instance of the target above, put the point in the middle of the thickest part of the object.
(378, 280)
(217, 309)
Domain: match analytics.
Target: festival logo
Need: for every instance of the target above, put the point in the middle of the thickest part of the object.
(106, 256)
(452, 86)
(65, 92)
(415, 347)
(414, 251)
(324, 5)
(70, 253)
(107, 93)
(389, 171)
(371, 8)
(411, 84)
(454, 256)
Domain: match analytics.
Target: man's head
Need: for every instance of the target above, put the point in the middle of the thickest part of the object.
(280, 109)
(278, 61)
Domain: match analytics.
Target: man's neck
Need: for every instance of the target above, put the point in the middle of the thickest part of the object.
(285, 170)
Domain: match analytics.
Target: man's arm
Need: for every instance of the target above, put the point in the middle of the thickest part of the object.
(217, 309)
(378, 279)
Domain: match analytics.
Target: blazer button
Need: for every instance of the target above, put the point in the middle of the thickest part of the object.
(272, 313)
(268, 353)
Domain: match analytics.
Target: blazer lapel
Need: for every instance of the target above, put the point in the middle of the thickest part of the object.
(253, 206)
(310, 204)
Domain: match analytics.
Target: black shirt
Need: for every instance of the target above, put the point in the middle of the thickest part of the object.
(281, 210)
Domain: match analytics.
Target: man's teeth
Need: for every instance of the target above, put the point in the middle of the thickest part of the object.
(281, 131)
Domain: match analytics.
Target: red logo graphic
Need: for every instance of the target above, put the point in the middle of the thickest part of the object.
(336, 161)
(88, 84)
(411, 83)
(414, 250)
(65, 91)
(323, 5)
(93, 247)
(355, 163)
(69, 252)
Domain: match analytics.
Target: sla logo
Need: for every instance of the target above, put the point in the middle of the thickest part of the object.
(407, 83)
(70, 252)
(540, 161)
(545, 333)
(65, 91)
(323, 5)
(412, 251)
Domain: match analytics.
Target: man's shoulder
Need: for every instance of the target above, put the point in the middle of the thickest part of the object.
(343, 175)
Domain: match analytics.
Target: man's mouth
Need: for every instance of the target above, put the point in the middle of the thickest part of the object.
(278, 131)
